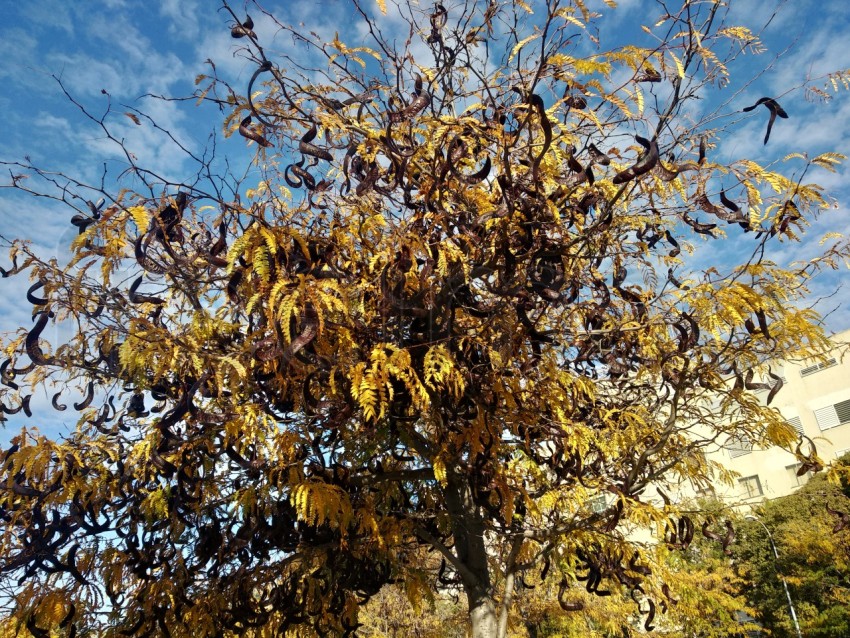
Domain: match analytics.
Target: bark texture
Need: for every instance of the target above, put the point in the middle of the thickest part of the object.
(482, 616)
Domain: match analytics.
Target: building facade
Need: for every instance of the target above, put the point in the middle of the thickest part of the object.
(815, 400)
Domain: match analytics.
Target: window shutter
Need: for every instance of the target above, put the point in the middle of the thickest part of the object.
(827, 417)
(817, 367)
(739, 447)
(843, 411)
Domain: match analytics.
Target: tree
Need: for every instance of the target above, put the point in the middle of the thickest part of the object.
(391, 614)
(812, 535)
(705, 597)
(708, 602)
(457, 313)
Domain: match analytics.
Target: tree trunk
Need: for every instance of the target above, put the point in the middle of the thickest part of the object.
(482, 616)
(471, 552)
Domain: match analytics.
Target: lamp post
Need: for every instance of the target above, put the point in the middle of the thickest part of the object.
(784, 584)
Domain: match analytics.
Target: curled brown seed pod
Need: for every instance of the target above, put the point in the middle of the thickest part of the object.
(136, 298)
(306, 146)
(7, 377)
(421, 99)
(247, 132)
(244, 29)
(775, 388)
(700, 227)
(33, 349)
(650, 616)
(598, 156)
(61, 407)
(568, 605)
(86, 402)
(644, 163)
(36, 301)
(775, 110)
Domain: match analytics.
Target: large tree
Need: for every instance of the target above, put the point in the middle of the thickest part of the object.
(456, 315)
(810, 531)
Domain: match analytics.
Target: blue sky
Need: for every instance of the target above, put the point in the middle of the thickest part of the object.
(129, 49)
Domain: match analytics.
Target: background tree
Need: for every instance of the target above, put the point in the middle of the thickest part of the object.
(457, 312)
(812, 537)
(391, 614)
(708, 602)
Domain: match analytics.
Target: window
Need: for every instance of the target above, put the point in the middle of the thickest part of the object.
(817, 367)
(833, 415)
(750, 486)
(739, 446)
(598, 504)
(843, 411)
(792, 473)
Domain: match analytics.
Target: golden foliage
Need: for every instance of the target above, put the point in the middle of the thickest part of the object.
(472, 320)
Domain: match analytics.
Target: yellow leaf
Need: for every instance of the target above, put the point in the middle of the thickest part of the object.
(382, 5)
(141, 217)
(52, 609)
(679, 68)
(639, 99)
(574, 21)
(829, 160)
(521, 44)
(440, 471)
(566, 14)
(828, 236)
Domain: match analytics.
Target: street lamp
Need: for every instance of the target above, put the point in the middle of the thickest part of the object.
(784, 584)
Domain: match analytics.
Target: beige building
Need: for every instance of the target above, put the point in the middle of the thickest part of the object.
(815, 399)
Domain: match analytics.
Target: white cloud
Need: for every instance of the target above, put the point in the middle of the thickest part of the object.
(182, 17)
(52, 14)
